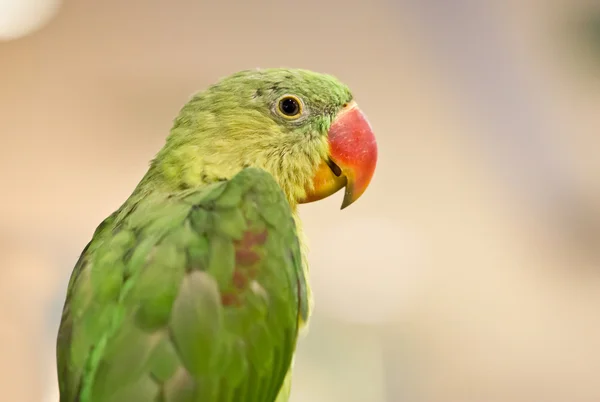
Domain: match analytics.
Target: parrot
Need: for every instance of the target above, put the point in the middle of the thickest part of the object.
(196, 289)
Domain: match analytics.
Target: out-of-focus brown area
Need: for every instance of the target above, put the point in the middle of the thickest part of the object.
(469, 271)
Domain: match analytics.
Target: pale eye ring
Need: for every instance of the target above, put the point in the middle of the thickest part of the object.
(289, 106)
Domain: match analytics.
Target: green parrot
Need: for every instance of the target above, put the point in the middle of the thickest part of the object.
(195, 289)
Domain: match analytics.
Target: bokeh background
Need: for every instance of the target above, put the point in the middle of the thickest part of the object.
(470, 270)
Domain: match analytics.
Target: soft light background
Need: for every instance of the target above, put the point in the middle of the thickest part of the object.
(470, 270)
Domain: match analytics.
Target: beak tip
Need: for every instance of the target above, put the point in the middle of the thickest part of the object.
(349, 196)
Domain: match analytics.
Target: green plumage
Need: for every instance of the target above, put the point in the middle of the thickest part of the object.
(194, 290)
(193, 296)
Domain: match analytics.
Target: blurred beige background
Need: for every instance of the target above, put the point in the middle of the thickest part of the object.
(469, 271)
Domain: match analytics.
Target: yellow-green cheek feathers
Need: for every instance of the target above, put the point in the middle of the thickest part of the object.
(292, 161)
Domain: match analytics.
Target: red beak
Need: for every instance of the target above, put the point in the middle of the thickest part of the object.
(352, 158)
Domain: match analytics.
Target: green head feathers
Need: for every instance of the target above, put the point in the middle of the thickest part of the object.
(275, 119)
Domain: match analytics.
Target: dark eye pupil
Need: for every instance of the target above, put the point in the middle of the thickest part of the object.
(289, 106)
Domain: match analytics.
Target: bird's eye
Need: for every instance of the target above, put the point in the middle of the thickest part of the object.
(289, 106)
